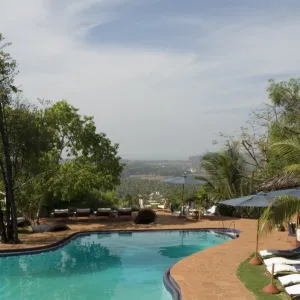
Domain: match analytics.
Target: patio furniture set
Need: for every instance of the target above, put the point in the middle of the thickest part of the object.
(196, 214)
(87, 212)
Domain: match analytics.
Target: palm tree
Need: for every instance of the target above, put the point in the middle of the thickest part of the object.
(287, 147)
(280, 212)
(227, 174)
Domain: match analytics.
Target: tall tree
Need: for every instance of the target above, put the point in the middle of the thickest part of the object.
(285, 95)
(34, 145)
(76, 161)
(93, 160)
(7, 88)
(270, 137)
(285, 135)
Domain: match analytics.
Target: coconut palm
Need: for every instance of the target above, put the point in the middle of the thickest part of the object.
(288, 149)
(280, 212)
(227, 174)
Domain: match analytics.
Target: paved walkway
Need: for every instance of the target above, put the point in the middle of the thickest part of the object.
(206, 274)
(212, 272)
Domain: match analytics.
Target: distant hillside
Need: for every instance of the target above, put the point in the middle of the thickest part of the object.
(152, 168)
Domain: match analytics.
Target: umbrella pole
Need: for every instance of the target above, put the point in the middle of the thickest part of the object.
(295, 241)
(182, 201)
(255, 260)
(271, 288)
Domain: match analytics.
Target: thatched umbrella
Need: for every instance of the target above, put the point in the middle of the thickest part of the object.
(284, 180)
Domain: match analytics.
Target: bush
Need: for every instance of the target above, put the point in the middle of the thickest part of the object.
(176, 205)
(240, 212)
(145, 216)
(226, 210)
(249, 212)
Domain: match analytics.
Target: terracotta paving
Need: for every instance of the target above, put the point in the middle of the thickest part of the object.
(204, 275)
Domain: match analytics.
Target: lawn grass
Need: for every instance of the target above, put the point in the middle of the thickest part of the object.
(255, 278)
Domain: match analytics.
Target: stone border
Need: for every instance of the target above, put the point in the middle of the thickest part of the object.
(171, 285)
(169, 282)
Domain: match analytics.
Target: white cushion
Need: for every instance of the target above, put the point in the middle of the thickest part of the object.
(293, 290)
(125, 209)
(61, 211)
(104, 209)
(265, 253)
(289, 279)
(282, 268)
(281, 260)
(212, 210)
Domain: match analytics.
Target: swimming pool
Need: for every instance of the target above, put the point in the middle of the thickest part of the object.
(106, 266)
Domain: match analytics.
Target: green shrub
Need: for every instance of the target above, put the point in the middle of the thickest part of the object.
(240, 212)
(226, 210)
(145, 216)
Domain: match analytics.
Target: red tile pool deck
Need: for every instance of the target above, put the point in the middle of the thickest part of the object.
(209, 274)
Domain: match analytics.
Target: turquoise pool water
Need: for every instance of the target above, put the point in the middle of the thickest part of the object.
(102, 266)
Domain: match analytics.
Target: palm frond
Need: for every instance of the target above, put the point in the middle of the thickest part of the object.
(288, 149)
(281, 211)
(202, 177)
(293, 168)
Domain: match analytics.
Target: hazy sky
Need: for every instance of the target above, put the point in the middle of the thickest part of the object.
(162, 78)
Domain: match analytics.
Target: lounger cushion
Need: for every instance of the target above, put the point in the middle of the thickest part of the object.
(104, 209)
(272, 252)
(283, 269)
(61, 211)
(83, 210)
(293, 290)
(125, 209)
(266, 253)
(289, 279)
(281, 260)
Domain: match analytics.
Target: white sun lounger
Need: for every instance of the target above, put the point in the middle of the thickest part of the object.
(270, 252)
(293, 290)
(281, 261)
(289, 279)
(284, 269)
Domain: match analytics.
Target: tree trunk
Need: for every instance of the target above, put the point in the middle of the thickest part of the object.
(8, 213)
(14, 222)
(12, 226)
(38, 216)
(2, 228)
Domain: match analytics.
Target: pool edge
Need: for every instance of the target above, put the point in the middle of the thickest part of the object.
(171, 285)
(62, 242)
